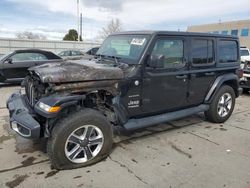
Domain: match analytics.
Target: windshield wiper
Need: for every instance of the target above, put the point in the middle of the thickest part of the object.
(98, 56)
(107, 57)
(116, 59)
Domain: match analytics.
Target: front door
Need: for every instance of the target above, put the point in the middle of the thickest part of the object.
(165, 89)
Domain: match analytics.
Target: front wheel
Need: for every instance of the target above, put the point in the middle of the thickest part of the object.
(222, 105)
(79, 140)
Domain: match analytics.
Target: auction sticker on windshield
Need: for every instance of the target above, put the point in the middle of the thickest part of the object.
(138, 41)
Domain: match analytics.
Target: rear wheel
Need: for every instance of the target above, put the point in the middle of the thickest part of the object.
(222, 105)
(79, 140)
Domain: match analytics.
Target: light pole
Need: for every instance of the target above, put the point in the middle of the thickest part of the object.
(78, 21)
(81, 26)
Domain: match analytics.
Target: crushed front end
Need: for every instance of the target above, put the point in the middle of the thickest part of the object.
(47, 96)
(23, 116)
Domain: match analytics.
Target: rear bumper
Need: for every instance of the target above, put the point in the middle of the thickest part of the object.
(22, 119)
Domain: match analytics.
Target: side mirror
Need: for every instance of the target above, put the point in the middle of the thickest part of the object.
(156, 61)
(9, 60)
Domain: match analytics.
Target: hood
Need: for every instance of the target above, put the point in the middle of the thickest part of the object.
(76, 71)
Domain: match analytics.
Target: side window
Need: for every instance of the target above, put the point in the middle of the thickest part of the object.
(173, 51)
(94, 50)
(228, 51)
(75, 53)
(38, 57)
(28, 57)
(65, 53)
(202, 52)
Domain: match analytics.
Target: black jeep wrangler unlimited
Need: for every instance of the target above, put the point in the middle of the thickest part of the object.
(137, 79)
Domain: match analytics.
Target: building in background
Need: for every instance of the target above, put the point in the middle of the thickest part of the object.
(238, 28)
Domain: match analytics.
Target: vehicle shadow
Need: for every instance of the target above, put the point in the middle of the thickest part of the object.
(124, 137)
(121, 136)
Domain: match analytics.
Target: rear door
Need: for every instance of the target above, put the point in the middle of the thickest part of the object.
(165, 89)
(202, 72)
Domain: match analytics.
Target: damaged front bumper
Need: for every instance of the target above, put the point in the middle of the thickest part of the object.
(22, 118)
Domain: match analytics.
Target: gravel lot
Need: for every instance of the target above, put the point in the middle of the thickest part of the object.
(186, 153)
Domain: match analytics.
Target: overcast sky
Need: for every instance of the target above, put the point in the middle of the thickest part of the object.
(54, 17)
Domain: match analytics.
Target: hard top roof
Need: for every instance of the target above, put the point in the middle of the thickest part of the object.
(174, 33)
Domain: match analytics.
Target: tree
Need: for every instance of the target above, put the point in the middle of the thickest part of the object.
(30, 35)
(115, 25)
(72, 35)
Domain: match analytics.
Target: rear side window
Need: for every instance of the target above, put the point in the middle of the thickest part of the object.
(203, 52)
(228, 51)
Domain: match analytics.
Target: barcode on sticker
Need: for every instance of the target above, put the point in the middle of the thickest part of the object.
(138, 41)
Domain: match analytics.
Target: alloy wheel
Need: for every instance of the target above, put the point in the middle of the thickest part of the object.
(224, 105)
(84, 143)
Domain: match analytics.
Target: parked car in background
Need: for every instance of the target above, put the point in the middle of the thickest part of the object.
(92, 51)
(245, 65)
(71, 54)
(14, 66)
(77, 54)
(244, 54)
(245, 80)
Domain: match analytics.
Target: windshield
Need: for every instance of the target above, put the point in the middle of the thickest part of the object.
(128, 48)
(244, 52)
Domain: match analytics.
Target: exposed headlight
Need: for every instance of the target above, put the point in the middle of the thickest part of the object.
(47, 108)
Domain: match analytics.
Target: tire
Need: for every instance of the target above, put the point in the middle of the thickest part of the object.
(215, 114)
(62, 142)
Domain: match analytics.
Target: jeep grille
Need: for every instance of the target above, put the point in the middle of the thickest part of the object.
(29, 89)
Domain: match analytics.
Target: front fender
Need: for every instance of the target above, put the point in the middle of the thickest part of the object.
(62, 101)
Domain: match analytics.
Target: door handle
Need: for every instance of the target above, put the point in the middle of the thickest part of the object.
(181, 76)
(209, 73)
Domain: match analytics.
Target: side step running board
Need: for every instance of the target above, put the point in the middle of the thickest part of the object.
(133, 124)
